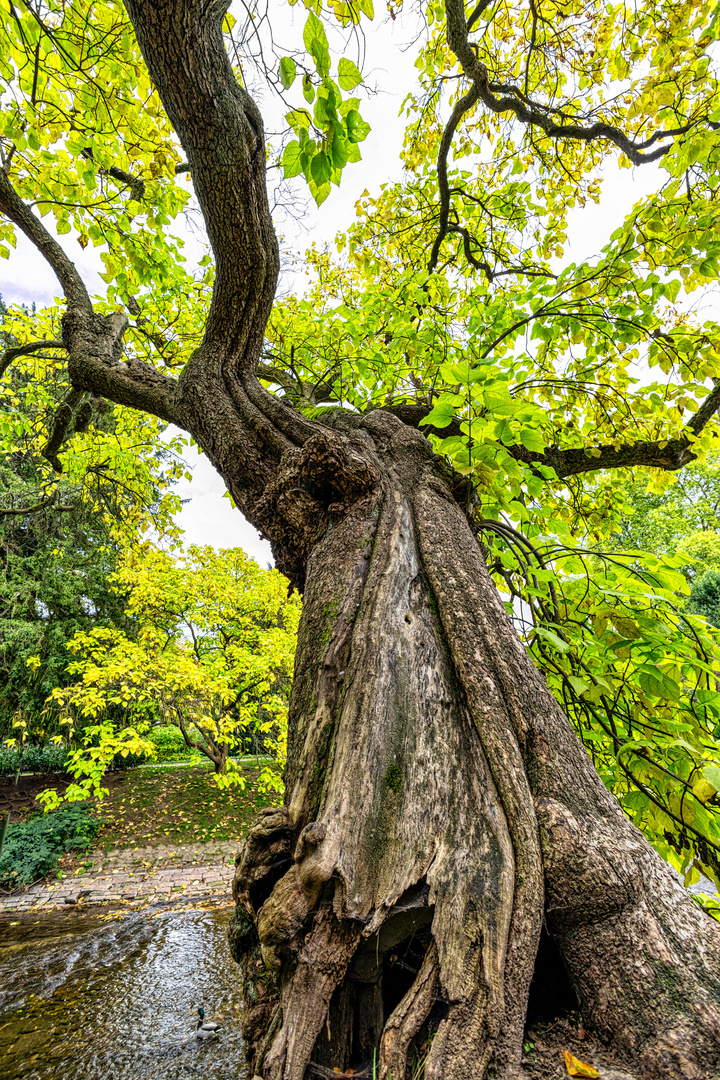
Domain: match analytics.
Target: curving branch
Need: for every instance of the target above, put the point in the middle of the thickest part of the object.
(94, 342)
(554, 122)
(466, 102)
(51, 501)
(221, 131)
(535, 114)
(669, 455)
(31, 347)
(135, 183)
(13, 207)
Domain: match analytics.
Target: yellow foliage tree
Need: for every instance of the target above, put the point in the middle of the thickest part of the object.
(212, 654)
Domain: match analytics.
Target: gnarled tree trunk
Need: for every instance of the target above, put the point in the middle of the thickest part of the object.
(439, 808)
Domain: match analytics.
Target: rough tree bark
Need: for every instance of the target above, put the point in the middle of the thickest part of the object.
(439, 809)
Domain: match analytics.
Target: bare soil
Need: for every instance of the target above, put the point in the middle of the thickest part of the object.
(21, 800)
(544, 1044)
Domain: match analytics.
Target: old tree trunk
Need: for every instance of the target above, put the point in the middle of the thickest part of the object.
(440, 813)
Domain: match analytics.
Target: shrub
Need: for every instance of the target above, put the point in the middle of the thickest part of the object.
(170, 745)
(50, 759)
(32, 759)
(705, 597)
(32, 847)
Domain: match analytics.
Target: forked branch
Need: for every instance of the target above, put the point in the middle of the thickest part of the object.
(534, 114)
(13, 207)
(93, 341)
(503, 98)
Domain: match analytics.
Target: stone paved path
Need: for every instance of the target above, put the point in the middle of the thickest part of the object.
(135, 877)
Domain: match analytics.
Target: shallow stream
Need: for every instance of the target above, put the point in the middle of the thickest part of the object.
(87, 999)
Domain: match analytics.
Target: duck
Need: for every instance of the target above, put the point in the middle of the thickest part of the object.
(206, 1029)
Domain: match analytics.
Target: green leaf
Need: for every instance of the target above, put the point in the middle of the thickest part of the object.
(287, 72)
(348, 74)
(655, 683)
(299, 120)
(292, 164)
(320, 169)
(316, 43)
(552, 639)
(321, 193)
(357, 129)
(441, 414)
(339, 152)
(325, 111)
(531, 439)
(308, 89)
(499, 401)
(712, 775)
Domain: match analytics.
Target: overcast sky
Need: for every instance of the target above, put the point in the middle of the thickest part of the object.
(207, 517)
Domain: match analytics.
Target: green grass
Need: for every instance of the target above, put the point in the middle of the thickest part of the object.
(179, 804)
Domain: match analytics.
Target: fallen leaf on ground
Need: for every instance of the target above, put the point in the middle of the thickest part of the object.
(578, 1068)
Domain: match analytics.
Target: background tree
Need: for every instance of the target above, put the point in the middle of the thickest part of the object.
(679, 519)
(212, 654)
(76, 486)
(435, 791)
(682, 520)
(705, 597)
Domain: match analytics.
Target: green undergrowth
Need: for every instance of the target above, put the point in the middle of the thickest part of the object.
(32, 848)
(182, 805)
(32, 759)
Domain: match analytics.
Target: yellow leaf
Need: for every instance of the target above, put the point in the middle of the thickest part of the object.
(578, 1068)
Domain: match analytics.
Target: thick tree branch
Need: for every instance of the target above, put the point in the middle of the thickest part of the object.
(221, 131)
(12, 206)
(94, 342)
(671, 456)
(96, 364)
(135, 183)
(44, 504)
(707, 410)
(61, 422)
(668, 454)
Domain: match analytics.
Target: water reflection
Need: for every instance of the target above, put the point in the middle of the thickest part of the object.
(82, 1000)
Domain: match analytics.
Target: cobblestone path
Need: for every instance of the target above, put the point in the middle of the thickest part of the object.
(135, 877)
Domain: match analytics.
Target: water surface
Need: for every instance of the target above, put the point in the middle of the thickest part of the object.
(83, 999)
